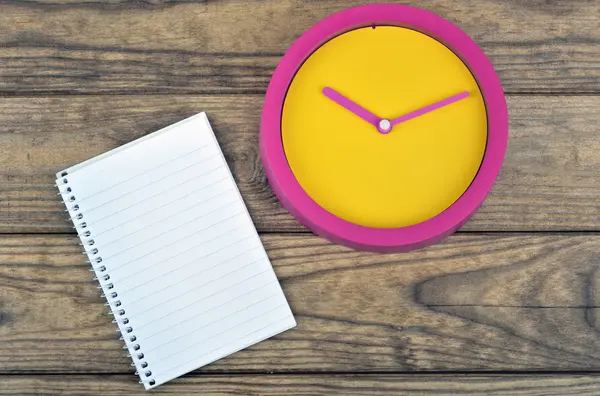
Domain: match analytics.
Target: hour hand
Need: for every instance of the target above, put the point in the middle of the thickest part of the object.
(351, 106)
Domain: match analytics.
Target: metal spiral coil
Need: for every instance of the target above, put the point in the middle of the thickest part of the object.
(103, 277)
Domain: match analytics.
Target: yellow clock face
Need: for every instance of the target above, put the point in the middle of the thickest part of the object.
(352, 169)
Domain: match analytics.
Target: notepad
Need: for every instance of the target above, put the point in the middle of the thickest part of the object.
(173, 246)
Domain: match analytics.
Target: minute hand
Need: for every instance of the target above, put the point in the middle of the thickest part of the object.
(429, 108)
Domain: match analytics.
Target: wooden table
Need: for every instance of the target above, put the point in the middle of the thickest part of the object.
(510, 305)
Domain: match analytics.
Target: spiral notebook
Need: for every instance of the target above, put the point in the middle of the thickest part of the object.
(175, 251)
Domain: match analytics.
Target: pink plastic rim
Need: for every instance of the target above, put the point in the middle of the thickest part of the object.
(337, 230)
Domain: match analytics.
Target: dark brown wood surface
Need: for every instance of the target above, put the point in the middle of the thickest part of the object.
(550, 180)
(312, 385)
(513, 297)
(82, 46)
(474, 302)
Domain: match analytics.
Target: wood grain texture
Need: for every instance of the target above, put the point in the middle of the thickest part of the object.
(550, 180)
(474, 302)
(84, 46)
(347, 385)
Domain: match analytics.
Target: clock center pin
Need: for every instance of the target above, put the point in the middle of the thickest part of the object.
(385, 126)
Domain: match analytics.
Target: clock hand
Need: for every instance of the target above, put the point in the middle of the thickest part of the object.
(431, 107)
(350, 105)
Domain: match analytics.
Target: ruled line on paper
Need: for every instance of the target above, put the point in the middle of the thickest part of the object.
(212, 322)
(144, 172)
(114, 213)
(249, 339)
(172, 243)
(180, 253)
(197, 287)
(279, 319)
(163, 232)
(205, 297)
(97, 234)
(189, 262)
(217, 335)
(87, 210)
(204, 270)
(245, 295)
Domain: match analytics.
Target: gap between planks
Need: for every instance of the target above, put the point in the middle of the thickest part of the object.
(308, 233)
(200, 374)
(134, 92)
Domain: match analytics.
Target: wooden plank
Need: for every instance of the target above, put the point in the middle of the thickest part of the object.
(550, 180)
(307, 385)
(81, 46)
(474, 302)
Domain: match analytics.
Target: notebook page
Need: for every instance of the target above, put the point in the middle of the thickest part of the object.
(175, 250)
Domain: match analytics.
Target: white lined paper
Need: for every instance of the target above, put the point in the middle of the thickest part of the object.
(179, 253)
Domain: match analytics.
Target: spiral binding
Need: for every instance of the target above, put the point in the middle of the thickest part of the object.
(103, 277)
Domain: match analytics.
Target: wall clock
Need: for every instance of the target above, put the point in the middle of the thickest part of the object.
(384, 127)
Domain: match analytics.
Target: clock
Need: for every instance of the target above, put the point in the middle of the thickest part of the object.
(384, 128)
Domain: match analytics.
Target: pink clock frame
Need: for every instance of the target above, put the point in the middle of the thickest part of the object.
(333, 228)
